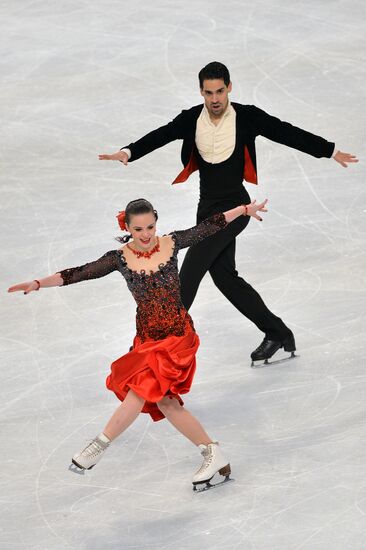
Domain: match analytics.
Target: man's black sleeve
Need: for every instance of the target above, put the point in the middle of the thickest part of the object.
(282, 132)
(159, 137)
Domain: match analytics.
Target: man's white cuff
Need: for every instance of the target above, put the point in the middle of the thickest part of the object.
(128, 152)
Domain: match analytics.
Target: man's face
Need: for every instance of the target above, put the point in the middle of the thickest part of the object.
(216, 96)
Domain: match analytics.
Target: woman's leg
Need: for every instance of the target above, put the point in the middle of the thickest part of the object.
(184, 421)
(213, 459)
(123, 417)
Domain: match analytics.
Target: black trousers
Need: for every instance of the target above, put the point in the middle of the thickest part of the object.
(216, 254)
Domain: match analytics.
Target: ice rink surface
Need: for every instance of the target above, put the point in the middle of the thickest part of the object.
(82, 78)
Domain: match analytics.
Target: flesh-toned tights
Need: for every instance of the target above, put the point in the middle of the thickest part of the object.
(177, 415)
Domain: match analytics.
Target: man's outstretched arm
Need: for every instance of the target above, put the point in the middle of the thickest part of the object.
(283, 132)
(153, 140)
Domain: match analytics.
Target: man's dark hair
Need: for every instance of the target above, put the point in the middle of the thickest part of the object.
(212, 71)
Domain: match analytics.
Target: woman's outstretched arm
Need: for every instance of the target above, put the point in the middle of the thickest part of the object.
(30, 286)
(210, 226)
(93, 270)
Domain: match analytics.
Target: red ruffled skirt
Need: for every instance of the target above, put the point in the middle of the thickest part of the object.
(155, 369)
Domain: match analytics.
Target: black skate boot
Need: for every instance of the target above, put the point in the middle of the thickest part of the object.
(268, 348)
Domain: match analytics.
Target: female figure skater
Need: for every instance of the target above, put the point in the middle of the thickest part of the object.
(161, 364)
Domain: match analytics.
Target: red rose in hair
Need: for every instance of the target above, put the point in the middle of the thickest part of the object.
(122, 220)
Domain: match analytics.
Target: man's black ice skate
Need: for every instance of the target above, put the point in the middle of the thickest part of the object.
(268, 348)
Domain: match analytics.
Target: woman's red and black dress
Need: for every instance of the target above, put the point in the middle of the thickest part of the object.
(162, 361)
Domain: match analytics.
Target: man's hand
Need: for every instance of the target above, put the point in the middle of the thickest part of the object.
(344, 158)
(122, 156)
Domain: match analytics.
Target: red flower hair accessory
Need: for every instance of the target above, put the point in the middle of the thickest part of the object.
(122, 220)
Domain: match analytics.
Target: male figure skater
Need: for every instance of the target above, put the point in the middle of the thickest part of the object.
(219, 140)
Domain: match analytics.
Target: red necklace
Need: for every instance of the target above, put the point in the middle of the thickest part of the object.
(148, 253)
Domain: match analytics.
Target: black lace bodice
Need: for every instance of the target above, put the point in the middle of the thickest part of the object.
(160, 311)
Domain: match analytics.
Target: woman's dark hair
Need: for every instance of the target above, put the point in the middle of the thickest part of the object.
(137, 206)
(213, 71)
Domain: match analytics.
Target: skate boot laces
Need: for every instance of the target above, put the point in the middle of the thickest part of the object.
(208, 458)
(262, 345)
(94, 448)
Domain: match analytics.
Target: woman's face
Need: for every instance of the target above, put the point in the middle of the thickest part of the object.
(143, 228)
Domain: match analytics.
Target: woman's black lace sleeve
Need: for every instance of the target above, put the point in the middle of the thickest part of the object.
(93, 270)
(194, 235)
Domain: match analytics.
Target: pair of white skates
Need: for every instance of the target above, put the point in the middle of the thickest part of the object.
(213, 462)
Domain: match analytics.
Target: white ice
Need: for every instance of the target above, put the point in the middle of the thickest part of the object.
(81, 78)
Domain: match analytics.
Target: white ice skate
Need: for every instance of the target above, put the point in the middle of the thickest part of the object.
(88, 457)
(213, 462)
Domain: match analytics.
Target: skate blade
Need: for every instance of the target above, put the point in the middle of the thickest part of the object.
(77, 470)
(198, 489)
(268, 362)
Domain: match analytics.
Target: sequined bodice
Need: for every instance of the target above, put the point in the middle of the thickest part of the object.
(160, 312)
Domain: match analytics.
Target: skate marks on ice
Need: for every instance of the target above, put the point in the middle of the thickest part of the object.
(297, 435)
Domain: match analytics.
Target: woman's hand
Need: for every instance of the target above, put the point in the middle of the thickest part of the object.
(253, 208)
(28, 287)
(246, 210)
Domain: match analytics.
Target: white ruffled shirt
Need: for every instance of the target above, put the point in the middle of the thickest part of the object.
(216, 142)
